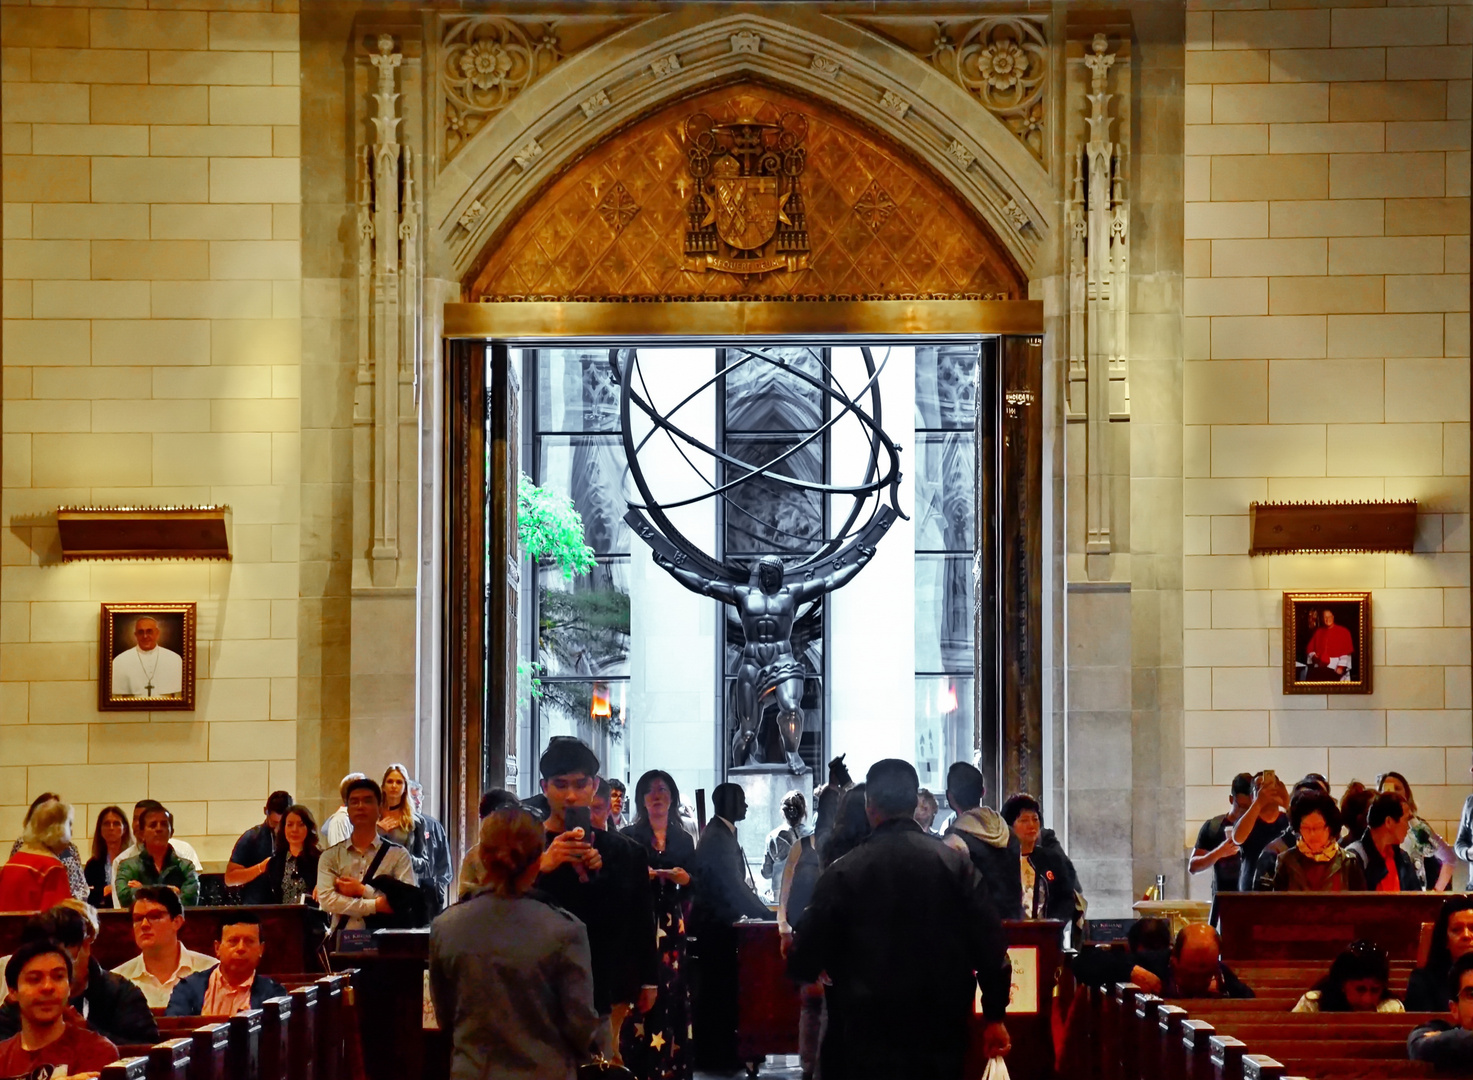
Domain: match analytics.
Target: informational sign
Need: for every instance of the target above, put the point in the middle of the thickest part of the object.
(1023, 996)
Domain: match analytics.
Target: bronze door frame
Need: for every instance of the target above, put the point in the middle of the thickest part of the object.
(475, 515)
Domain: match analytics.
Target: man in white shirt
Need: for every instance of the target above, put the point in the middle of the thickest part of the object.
(337, 827)
(341, 890)
(162, 959)
(182, 848)
(147, 670)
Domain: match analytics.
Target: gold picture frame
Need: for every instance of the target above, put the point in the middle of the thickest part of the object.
(1327, 643)
(142, 671)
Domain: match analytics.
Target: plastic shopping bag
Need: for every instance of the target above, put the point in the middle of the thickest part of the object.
(997, 1069)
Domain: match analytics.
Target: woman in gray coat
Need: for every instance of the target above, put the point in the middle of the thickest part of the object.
(509, 974)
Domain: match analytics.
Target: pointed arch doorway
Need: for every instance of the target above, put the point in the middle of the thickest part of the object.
(618, 250)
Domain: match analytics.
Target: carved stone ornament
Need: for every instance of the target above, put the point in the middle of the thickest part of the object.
(527, 156)
(895, 103)
(473, 214)
(486, 61)
(1001, 60)
(594, 104)
(1016, 214)
(746, 206)
(824, 66)
(961, 154)
(664, 66)
(746, 42)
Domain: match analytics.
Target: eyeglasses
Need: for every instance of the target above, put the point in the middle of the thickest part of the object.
(152, 916)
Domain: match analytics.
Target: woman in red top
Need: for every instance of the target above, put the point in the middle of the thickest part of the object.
(35, 878)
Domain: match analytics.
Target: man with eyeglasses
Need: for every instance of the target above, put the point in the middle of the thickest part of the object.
(1448, 1044)
(162, 959)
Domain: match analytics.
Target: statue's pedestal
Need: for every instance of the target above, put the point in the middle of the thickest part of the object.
(766, 787)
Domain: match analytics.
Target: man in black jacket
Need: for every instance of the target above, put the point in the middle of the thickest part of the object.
(1379, 849)
(113, 1007)
(723, 888)
(981, 834)
(603, 879)
(906, 933)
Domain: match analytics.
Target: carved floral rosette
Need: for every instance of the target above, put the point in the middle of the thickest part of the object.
(485, 62)
(1003, 62)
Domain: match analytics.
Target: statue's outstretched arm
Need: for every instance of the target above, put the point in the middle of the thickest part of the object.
(810, 590)
(721, 590)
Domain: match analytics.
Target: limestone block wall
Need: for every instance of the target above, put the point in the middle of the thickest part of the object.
(1327, 358)
(151, 343)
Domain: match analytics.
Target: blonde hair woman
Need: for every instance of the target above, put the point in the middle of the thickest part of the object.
(35, 878)
(396, 821)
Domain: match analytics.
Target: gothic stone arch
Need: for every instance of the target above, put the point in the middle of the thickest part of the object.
(875, 221)
(640, 66)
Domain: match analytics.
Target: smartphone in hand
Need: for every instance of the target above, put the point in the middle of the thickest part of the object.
(579, 817)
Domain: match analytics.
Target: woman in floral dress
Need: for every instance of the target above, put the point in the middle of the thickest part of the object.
(657, 1045)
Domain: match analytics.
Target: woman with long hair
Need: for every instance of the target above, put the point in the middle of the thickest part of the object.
(291, 875)
(110, 836)
(35, 878)
(1317, 863)
(851, 827)
(400, 822)
(510, 975)
(1426, 848)
(658, 1047)
(1359, 981)
(71, 858)
(1452, 938)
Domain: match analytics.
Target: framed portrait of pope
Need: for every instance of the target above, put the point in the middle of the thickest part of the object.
(1327, 643)
(146, 661)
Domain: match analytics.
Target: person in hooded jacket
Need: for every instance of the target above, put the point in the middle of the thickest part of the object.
(1046, 874)
(980, 833)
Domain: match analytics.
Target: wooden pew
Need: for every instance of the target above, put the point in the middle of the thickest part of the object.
(170, 1060)
(284, 929)
(133, 1068)
(1316, 926)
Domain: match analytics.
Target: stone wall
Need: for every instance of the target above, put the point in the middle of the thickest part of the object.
(1327, 358)
(151, 356)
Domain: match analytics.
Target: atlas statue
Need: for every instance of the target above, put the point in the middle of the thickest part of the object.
(769, 593)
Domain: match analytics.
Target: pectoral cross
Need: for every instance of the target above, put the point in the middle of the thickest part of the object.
(148, 688)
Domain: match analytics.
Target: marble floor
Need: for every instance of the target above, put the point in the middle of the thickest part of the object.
(779, 1067)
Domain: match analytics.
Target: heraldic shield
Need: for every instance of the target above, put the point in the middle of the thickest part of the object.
(746, 210)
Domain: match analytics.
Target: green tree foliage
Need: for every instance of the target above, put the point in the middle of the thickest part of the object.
(550, 528)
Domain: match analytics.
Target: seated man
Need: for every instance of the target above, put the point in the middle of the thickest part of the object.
(1448, 1044)
(232, 986)
(106, 1003)
(1192, 968)
(38, 977)
(162, 960)
(181, 848)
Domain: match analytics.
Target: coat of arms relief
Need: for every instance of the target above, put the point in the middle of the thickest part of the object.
(746, 211)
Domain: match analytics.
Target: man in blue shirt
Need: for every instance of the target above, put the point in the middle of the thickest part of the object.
(246, 869)
(1448, 1044)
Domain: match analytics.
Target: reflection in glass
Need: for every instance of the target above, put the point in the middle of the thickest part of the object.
(944, 726)
(945, 491)
(765, 516)
(596, 712)
(576, 390)
(590, 470)
(763, 396)
(944, 633)
(946, 386)
(583, 624)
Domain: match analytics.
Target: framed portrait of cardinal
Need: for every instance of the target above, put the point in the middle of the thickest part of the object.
(1327, 643)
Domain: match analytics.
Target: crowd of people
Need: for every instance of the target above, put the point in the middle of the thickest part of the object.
(587, 924)
(1272, 839)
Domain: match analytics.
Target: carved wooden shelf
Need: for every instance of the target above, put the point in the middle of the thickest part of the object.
(1326, 528)
(143, 532)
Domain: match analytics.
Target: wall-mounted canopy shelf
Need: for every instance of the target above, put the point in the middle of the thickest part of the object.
(143, 532)
(1325, 528)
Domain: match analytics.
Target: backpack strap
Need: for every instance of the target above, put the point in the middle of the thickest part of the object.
(378, 858)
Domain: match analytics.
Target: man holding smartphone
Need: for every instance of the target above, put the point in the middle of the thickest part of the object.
(602, 878)
(1263, 822)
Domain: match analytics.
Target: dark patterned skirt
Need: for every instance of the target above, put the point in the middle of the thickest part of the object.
(657, 1045)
